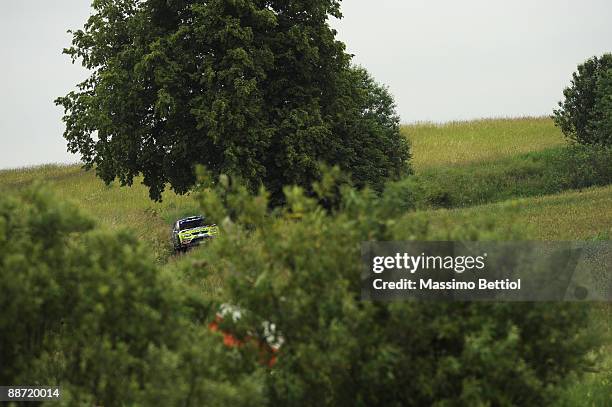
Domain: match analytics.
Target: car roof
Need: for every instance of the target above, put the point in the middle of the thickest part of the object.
(190, 218)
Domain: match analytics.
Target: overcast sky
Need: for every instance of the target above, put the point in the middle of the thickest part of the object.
(442, 59)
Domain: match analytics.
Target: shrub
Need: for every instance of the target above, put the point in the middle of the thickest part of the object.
(585, 115)
(582, 166)
(300, 270)
(90, 311)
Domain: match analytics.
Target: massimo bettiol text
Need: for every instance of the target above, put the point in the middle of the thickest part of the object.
(458, 264)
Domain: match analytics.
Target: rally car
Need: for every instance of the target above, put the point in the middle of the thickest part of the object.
(191, 231)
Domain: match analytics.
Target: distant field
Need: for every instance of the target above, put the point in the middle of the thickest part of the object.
(574, 215)
(538, 173)
(455, 143)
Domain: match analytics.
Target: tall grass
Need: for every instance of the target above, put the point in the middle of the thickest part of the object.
(532, 174)
(455, 143)
(574, 215)
(112, 206)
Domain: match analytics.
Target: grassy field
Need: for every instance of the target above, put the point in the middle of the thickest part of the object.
(435, 145)
(574, 215)
(485, 165)
(545, 172)
(112, 206)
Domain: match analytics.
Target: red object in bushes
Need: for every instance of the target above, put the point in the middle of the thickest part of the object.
(267, 353)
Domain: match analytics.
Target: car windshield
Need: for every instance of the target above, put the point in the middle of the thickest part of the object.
(190, 224)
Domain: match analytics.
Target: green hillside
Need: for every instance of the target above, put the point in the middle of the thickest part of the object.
(573, 215)
(113, 206)
(520, 169)
(458, 157)
(435, 145)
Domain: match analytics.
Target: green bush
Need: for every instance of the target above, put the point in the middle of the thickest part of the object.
(300, 270)
(582, 166)
(90, 311)
(594, 388)
(585, 115)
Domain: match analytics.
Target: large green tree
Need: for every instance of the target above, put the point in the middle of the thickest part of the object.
(585, 115)
(258, 89)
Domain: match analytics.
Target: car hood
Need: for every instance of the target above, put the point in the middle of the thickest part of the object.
(209, 230)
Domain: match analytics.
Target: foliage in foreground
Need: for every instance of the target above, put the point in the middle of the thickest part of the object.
(585, 115)
(300, 270)
(260, 90)
(594, 388)
(92, 312)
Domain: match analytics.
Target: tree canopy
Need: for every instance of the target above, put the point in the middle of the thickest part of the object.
(258, 89)
(585, 115)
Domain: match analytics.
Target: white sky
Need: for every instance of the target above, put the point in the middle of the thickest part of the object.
(442, 59)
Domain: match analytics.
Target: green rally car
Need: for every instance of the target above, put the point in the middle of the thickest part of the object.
(191, 231)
